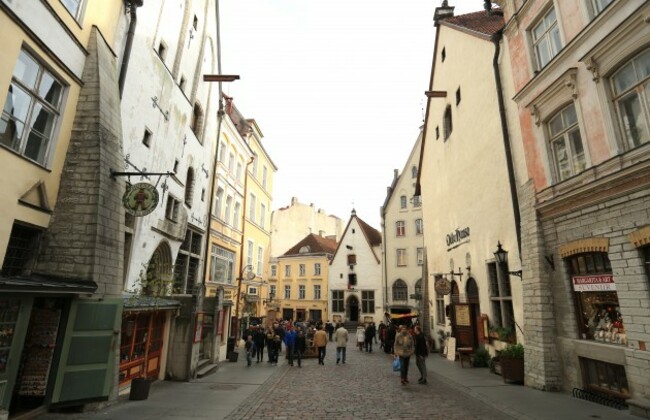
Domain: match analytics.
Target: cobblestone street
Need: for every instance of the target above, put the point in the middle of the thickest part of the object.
(364, 388)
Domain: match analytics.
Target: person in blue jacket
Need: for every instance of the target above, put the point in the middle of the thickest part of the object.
(290, 343)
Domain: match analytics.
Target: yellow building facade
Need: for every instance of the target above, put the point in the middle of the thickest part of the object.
(298, 280)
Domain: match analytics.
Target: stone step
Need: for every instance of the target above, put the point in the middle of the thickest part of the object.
(206, 368)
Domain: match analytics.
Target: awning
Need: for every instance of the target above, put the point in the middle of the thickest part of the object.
(404, 316)
(38, 283)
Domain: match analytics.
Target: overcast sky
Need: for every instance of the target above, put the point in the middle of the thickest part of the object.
(337, 88)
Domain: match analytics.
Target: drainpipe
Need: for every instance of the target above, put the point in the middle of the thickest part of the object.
(496, 39)
(131, 5)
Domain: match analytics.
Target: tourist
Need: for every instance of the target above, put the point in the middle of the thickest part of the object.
(421, 352)
(341, 338)
(361, 336)
(250, 349)
(320, 342)
(301, 346)
(269, 341)
(259, 338)
(289, 343)
(369, 336)
(404, 348)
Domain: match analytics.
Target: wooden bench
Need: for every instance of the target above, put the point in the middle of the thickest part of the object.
(465, 353)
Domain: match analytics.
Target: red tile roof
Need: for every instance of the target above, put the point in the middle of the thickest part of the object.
(481, 22)
(317, 245)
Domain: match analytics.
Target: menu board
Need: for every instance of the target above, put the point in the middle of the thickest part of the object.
(462, 315)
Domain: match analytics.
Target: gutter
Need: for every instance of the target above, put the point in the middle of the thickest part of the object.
(132, 6)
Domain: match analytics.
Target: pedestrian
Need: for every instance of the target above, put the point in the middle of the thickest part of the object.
(404, 348)
(250, 349)
(259, 338)
(382, 334)
(289, 343)
(329, 327)
(279, 330)
(421, 352)
(390, 338)
(374, 327)
(320, 342)
(269, 341)
(276, 344)
(369, 336)
(361, 336)
(301, 346)
(341, 343)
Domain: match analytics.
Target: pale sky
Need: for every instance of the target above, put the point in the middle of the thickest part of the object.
(337, 88)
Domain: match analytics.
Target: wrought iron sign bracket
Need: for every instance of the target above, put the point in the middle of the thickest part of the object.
(155, 104)
(115, 174)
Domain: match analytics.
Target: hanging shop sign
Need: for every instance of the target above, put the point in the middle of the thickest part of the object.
(457, 237)
(140, 199)
(602, 283)
(442, 286)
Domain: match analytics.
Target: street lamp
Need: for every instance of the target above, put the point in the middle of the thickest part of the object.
(501, 256)
(250, 275)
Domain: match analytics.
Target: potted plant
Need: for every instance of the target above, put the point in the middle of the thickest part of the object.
(481, 358)
(512, 363)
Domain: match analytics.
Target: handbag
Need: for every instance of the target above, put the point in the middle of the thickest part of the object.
(396, 364)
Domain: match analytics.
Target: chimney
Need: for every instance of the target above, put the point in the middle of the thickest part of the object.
(443, 12)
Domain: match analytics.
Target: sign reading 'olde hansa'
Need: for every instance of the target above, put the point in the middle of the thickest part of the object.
(140, 199)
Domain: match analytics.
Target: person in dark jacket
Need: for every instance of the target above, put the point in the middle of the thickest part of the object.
(391, 331)
(421, 352)
(300, 346)
(276, 344)
(329, 327)
(289, 343)
(382, 334)
(370, 336)
(259, 338)
(269, 341)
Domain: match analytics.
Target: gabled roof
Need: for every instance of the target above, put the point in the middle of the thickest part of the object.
(317, 245)
(479, 23)
(372, 235)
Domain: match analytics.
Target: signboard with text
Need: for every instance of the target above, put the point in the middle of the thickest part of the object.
(598, 283)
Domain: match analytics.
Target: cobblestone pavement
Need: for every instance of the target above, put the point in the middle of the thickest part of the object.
(364, 388)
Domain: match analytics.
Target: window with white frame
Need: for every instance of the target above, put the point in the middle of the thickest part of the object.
(287, 270)
(414, 171)
(600, 5)
(223, 152)
(264, 176)
(503, 314)
(218, 202)
(31, 109)
(236, 219)
(402, 202)
(287, 291)
(440, 307)
(222, 265)
(417, 201)
(73, 6)
(260, 260)
(231, 163)
(317, 292)
(252, 206)
(317, 269)
(250, 250)
(274, 270)
(566, 143)
(546, 38)
(301, 291)
(401, 257)
(631, 89)
(420, 256)
(239, 171)
(400, 228)
(254, 166)
(262, 215)
(418, 227)
(302, 268)
(228, 209)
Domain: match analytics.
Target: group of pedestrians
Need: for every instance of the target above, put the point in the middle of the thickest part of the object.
(366, 335)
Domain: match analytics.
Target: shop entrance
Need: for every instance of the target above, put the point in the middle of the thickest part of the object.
(141, 345)
(353, 309)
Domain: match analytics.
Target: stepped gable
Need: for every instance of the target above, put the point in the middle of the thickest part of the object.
(481, 23)
(316, 243)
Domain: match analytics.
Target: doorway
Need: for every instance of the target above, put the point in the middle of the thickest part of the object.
(353, 309)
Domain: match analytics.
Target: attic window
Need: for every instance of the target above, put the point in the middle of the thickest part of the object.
(443, 54)
(353, 231)
(146, 138)
(437, 133)
(305, 249)
(458, 95)
(195, 24)
(352, 259)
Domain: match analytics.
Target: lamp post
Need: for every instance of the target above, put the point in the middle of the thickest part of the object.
(501, 256)
(250, 275)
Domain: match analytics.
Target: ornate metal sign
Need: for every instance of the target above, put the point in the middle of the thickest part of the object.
(443, 286)
(140, 199)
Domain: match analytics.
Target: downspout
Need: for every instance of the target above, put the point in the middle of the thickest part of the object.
(241, 252)
(496, 39)
(131, 5)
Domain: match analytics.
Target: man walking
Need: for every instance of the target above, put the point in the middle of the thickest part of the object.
(320, 342)
(329, 327)
(259, 338)
(369, 336)
(341, 338)
(421, 352)
(404, 348)
(289, 343)
(301, 346)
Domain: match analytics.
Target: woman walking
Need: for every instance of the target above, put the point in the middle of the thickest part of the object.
(421, 352)
(404, 348)
(361, 336)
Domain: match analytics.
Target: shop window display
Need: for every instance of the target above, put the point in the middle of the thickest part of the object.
(594, 290)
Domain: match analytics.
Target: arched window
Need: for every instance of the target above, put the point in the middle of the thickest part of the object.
(197, 120)
(418, 287)
(402, 202)
(400, 290)
(189, 187)
(218, 202)
(414, 172)
(156, 280)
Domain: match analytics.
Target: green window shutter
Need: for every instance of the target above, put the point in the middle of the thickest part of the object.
(87, 364)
